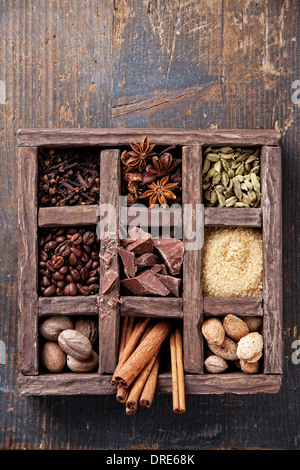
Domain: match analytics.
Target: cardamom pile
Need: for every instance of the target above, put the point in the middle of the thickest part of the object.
(231, 177)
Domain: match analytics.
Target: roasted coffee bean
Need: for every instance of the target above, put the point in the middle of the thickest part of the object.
(58, 262)
(88, 238)
(61, 284)
(50, 246)
(43, 255)
(72, 259)
(77, 252)
(89, 264)
(95, 255)
(93, 288)
(63, 270)
(84, 274)
(95, 265)
(84, 257)
(57, 276)
(42, 265)
(76, 239)
(68, 278)
(60, 239)
(70, 289)
(75, 275)
(50, 266)
(49, 291)
(84, 290)
(65, 251)
(45, 281)
(91, 280)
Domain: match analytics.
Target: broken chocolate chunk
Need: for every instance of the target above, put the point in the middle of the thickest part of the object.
(108, 280)
(171, 283)
(146, 283)
(147, 259)
(129, 261)
(171, 250)
(141, 245)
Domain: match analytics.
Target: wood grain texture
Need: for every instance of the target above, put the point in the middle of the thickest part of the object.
(28, 261)
(77, 305)
(109, 319)
(109, 137)
(207, 65)
(155, 307)
(245, 306)
(192, 277)
(67, 216)
(271, 190)
(214, 217)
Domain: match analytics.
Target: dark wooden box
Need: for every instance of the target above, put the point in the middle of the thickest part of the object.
(192, 307)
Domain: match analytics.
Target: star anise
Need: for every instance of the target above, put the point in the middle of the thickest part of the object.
(161, 166)
(161, 191)
(137, 157)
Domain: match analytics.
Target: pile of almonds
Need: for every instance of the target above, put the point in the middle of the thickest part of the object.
(68, 344)
(233, 340)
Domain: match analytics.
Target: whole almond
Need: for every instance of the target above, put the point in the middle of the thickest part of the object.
(75, 343)
(86, 365)
(213, 331)
(250, 345)
(234, 327)
(227, 350)
(51, 327)
(249, 367)
(215, 364)
(52, 357)
(87, 326)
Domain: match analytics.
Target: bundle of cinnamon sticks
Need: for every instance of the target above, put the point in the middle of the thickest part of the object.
(135, 376)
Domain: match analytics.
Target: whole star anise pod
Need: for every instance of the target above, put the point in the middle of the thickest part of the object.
(161, 166)
(137, 157)
(161, 191)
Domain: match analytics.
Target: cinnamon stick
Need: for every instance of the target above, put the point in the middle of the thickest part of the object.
(130, 346)
(127, 373)
(178, 389)
(126, 330)
(137, 387)
(129, 327)
(147, 394)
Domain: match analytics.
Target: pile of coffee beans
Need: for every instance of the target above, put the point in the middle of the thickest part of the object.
(68, 261)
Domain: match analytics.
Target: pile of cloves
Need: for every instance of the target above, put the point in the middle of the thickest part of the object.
(68, 177)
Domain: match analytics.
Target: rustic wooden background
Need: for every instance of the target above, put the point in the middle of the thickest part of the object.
(148, 63)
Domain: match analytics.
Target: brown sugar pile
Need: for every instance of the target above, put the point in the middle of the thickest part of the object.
(232, 262)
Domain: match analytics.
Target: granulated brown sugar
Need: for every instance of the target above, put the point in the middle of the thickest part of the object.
(232, 262)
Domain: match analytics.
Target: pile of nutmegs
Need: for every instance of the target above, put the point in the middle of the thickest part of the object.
(233, 341)
(68, 344)
(231, 177)
(68, 261)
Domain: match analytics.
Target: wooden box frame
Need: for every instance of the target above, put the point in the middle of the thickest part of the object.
(192, 307)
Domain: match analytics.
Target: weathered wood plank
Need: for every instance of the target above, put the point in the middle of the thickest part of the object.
(232, 217)
(192, 277)
(76, 305)
(96, 384)
(28, 261)
(245, 306)
(155, 307)
(109, 320)
(271, 194)
(67, 216)
(109, 137)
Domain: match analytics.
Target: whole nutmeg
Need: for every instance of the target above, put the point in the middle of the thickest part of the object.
(253, 323)
(87, 326)
(213, 331)
(75, 343)
(215, 364)
(235, 327)
(52, 357)
(51, 327)
(86, 365)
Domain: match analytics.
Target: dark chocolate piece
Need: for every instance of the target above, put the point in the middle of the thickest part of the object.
(146, 283)
(171, 250)
(129, 261)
